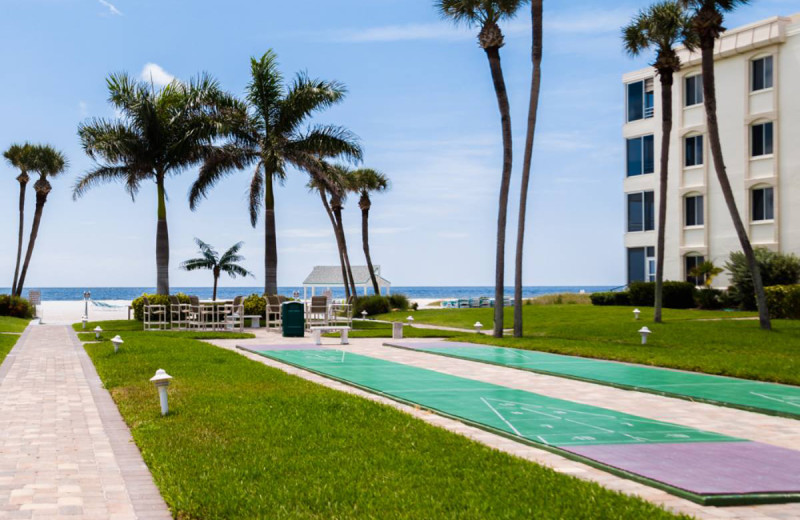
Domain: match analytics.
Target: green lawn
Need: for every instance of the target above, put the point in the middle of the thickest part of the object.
(123, 327)
(373, 329)
(247, 441)
(7, 341)
(728, 347)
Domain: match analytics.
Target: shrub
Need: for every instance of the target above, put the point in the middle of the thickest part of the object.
(643, 294)
(155, 299)
(676, 295)
(776, 269)
(374, 304)
(783, 301)
(398, 301)
(610, 298)
(255, 305)
(708, 299)
(15, 307)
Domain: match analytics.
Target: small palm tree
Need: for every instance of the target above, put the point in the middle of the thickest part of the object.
(706, 271)
(661, 26)
(19, 156)
(706, 24)
(270, 136)
(365, 181)
(160, 133)
(487, 14)
(47, 162)
(210, 259)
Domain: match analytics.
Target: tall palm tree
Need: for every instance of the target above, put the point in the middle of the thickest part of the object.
(533, 108)
(365, 181)
(19, 156)
(660, 26)
(210, 259)
(47, 162)
(706, 24)
(487, 14)
(160, 133)
(272, 134)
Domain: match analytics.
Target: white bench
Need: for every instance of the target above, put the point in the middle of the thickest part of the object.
(317, 331)
(255, 320)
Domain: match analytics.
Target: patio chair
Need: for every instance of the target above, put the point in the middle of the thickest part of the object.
(342, 311)
(463, 303)
(234, 314)
(201, 317)
(273, 311)
(155, 316)
(474, 303)
(317, 312)
(178, 313)
(486, 302)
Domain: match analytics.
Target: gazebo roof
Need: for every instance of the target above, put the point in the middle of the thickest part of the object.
(330, 275)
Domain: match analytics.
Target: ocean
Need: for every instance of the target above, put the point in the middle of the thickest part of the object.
(129, 293)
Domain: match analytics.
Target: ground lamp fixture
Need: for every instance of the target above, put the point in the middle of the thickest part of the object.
(478, 326)
(97, 331)
(644, 331)
(84, 319)
(410, 320)
(86, 296)
(636, 313)
(161, 380)
(117, 341)
(364, 314)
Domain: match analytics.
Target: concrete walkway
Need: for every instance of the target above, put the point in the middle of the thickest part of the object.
(64, 450)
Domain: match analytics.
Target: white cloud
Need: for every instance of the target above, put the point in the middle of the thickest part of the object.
(112, 9)
(156, 74)
(83, 109)
(399, 33)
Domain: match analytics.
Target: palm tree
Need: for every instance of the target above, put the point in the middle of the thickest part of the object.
(271, 135)
(47, 162)
(365, 181)
(19, 156)
(706, 271)
(210, 259)
(487, 14)
(533, 108)
(660, 26)
(160, 133)
(706, 24)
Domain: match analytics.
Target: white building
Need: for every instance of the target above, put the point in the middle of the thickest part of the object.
(757, 71)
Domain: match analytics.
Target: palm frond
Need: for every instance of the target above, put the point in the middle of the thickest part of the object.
(327, 141)
(256, 193)
(232, 254)
(266, 85)
(235, 270)
(219, 162)
(103, 174)
(197, 263)
(304, 97)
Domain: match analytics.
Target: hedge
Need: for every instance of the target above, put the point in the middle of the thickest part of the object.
(783, 301)
(15, 307)
(255, 305)
(155, 299)
(610, 298)
(676, 295)
(776, 269)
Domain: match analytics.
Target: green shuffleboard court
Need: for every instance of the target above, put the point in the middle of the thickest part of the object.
(754, 396)
(705, 467)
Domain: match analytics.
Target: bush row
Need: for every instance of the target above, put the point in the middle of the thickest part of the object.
(677, 295)
(776, 269)
(15, 307)
(155, 299)
(783, 301)
(377, 304)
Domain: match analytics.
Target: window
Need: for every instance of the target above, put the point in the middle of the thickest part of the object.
(694, 210)
(694, 90)
(763, 204)
(641, 211)
(691, 263)
(641, 155)
(761, 70)
(640, 98)
(693, 150)
(641, 264)
(761, 139)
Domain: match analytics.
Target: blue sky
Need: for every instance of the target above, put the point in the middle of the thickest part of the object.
(420, 98)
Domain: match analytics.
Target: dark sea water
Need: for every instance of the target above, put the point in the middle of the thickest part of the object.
(129, 293)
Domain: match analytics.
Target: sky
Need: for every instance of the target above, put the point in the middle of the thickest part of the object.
(420, 98)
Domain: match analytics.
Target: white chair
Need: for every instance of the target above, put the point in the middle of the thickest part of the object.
(155, 316)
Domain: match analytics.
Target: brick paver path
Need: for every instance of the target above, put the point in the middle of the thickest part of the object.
(64, 450)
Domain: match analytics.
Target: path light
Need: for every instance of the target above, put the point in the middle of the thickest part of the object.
(478, 326)
(161, 380)
(97, 331)
(644, 331)
(364, 314)
(84, 319)
(117, 341)
(636, 313)
(86, 296)
(410, 320)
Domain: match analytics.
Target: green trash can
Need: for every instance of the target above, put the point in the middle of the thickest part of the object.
(293, 319)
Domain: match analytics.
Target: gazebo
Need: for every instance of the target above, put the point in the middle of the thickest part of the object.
(327, 276)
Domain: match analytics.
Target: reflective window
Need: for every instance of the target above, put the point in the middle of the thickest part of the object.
(761, 139)
(693, 150)
(640, 98)
(694, 90)
(694, 210)
(641, 211)
(763, 204)
(691, 263)
(761, 73)
(641, 155)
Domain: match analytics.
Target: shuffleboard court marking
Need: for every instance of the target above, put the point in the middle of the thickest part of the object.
(752, 396)
(667, 456)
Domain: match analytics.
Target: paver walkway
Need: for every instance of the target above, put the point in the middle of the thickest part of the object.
(64, 450)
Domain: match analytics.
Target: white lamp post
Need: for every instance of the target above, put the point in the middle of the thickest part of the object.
(636, 313)
(84, 319)
(644, 331)
(86, 296)
(161, 380)
(478, 326)
(364, 315)
(97, 331)
(117, 341)
(410, 320)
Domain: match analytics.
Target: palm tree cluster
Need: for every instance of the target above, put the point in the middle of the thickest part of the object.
(47, 162)
(211, 260)
(695, 24)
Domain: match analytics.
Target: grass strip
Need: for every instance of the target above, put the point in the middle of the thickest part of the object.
(373, 329)
(9, 324)
(113, 327)
(7, 342)
(247, 441)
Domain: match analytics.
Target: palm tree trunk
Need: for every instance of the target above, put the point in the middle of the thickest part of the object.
(533, 108)
(162, 241)
(666, 76)
(710, 95)
(493, 54)
(337, 212)
(22, 185)
(41, 199)
(271, 240)
(338, 242)
(216, 279)
(365, 242)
